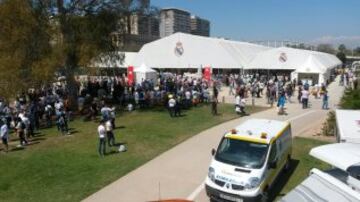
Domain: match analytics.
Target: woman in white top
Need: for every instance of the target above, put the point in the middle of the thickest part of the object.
(305, 98)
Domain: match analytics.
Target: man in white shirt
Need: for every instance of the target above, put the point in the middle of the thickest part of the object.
(171, 105)
(4, 134)
(102, 134)
(109, 133)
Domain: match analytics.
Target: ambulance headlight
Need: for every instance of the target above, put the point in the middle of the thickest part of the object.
(211, 174)
(253, 183)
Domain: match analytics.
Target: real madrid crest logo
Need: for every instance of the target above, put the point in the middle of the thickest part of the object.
(283, 57)
(179, 49)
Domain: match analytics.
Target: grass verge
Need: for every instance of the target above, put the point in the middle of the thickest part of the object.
(68, 168)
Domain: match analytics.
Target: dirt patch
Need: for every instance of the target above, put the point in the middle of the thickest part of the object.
(314, 131)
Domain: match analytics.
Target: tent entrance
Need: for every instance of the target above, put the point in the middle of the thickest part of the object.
(310, 78)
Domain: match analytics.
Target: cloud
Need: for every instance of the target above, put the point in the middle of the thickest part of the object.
(349, 41)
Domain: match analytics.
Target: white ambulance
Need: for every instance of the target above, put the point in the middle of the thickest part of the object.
(248, 160)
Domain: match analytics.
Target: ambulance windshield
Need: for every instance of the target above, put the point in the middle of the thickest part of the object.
(242, 153)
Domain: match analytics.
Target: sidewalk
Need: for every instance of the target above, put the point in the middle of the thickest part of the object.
(180, 172)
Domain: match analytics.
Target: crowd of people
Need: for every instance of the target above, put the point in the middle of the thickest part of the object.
(176, 92)
(32, 110)
(277, 89)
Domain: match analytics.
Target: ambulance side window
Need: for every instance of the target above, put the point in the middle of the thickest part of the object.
(279, 144)
(273, 153)
(285, 139)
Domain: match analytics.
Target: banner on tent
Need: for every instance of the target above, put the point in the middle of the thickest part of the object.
(130, 75)
(207, 73)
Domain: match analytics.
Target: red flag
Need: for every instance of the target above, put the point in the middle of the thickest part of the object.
(207, 73)
(130, 75)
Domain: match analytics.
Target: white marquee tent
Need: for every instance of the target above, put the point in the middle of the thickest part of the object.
(144, 72)
(190, 51)
(181, 51)
(303, 62)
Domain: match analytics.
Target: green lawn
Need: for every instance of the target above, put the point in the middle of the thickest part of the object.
(301, 164)
(68, 168)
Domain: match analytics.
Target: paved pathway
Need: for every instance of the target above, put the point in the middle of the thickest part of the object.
(180, 172)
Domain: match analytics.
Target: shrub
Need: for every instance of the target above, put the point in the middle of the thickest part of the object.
(351, 99)
(329, 126)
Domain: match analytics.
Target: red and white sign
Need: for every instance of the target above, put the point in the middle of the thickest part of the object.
(130, 75)
(207, 73)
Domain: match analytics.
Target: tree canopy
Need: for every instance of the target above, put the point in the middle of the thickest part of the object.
(40, 37)
(342, 48)
(26, 56)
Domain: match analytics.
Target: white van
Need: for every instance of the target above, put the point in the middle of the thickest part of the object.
(248, 160)
(340, 183)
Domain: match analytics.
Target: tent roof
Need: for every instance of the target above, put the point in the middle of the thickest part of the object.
(144, 68)
(115, 59)
(321, 186)
(340, 155)
(197, 51)
(348, 124)
(294, 59)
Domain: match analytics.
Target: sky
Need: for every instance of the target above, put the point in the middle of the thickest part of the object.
(308, 21)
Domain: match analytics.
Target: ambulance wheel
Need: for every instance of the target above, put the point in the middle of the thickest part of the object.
(265, 196)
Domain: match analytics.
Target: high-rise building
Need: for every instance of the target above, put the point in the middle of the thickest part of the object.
(200, 26)
(145, 25)
(135, 31)
(174, 20)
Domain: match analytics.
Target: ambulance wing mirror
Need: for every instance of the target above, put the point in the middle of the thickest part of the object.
(213, 151)
(273, 164)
